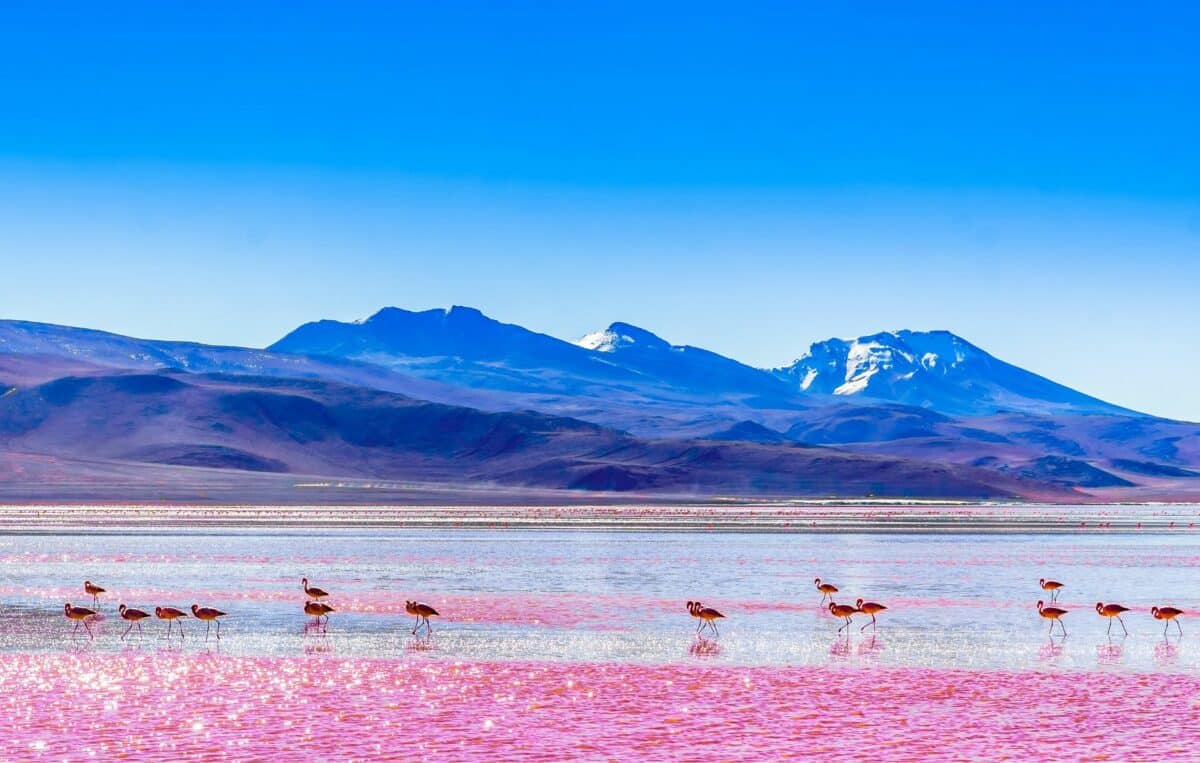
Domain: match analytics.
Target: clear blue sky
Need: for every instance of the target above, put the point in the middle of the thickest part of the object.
(749, 181)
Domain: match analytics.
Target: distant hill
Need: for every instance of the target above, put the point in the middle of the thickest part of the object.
(256, 424)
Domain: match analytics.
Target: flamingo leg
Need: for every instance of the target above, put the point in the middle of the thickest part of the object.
(88, 628)
(75, 629)
(1051, 626)
(428, 627)
(1109, 631)
(218, 630)
(872, 624)
(1166, 625)
(126, 633)
(1062, 627)
(1122, 625)
(1180, 627)
(416, 625)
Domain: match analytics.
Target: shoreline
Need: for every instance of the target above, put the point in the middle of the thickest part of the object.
(793, 517)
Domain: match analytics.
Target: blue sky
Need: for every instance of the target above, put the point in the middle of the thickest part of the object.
(749, 181)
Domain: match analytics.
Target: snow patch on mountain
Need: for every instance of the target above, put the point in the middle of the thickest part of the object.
(604, 341)
(930, 369)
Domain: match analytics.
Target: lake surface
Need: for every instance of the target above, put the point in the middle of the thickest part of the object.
(955, 601)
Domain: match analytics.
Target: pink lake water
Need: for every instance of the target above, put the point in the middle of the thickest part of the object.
(555, 644)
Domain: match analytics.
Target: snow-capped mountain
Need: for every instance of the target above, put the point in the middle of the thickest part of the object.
(681, 366)
(463, 346)
(931, 369)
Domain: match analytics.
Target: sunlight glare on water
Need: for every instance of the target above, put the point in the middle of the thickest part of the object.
(953, 600)
(554, 644)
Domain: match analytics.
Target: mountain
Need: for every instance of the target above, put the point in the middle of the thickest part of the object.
(254, 425)
(459, 343)
(34, 352)
(680, 366)
(463, 346)
(935, 370)
(955, 404)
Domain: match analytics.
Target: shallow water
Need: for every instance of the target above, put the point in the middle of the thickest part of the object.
(201, 707)
(955, 601)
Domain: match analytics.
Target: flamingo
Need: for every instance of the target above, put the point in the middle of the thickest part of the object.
(79, 615)
(1110, 611)
(93, 590)
(1053, 586)
(313, 593)
(208, 614)
(1053, 614)
(318, 610)
(826, 589)
(844, 611)
(691, 608)
(1167, 614)
(707, 615)
(170, 614)
(422, 612)
(869, 608)
(134, 617)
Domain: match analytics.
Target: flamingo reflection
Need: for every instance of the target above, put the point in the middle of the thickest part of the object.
(1109, 653)
(1166, 653)
(1051, 650)
(704, 647)
(869, 647)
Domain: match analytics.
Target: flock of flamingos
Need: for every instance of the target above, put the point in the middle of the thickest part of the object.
(708, 616)
(313, 607)
(316, 608)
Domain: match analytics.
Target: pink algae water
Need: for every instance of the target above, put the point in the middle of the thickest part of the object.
(576, 645)
(85, 706)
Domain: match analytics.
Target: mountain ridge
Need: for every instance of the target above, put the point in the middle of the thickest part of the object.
(631, 380)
